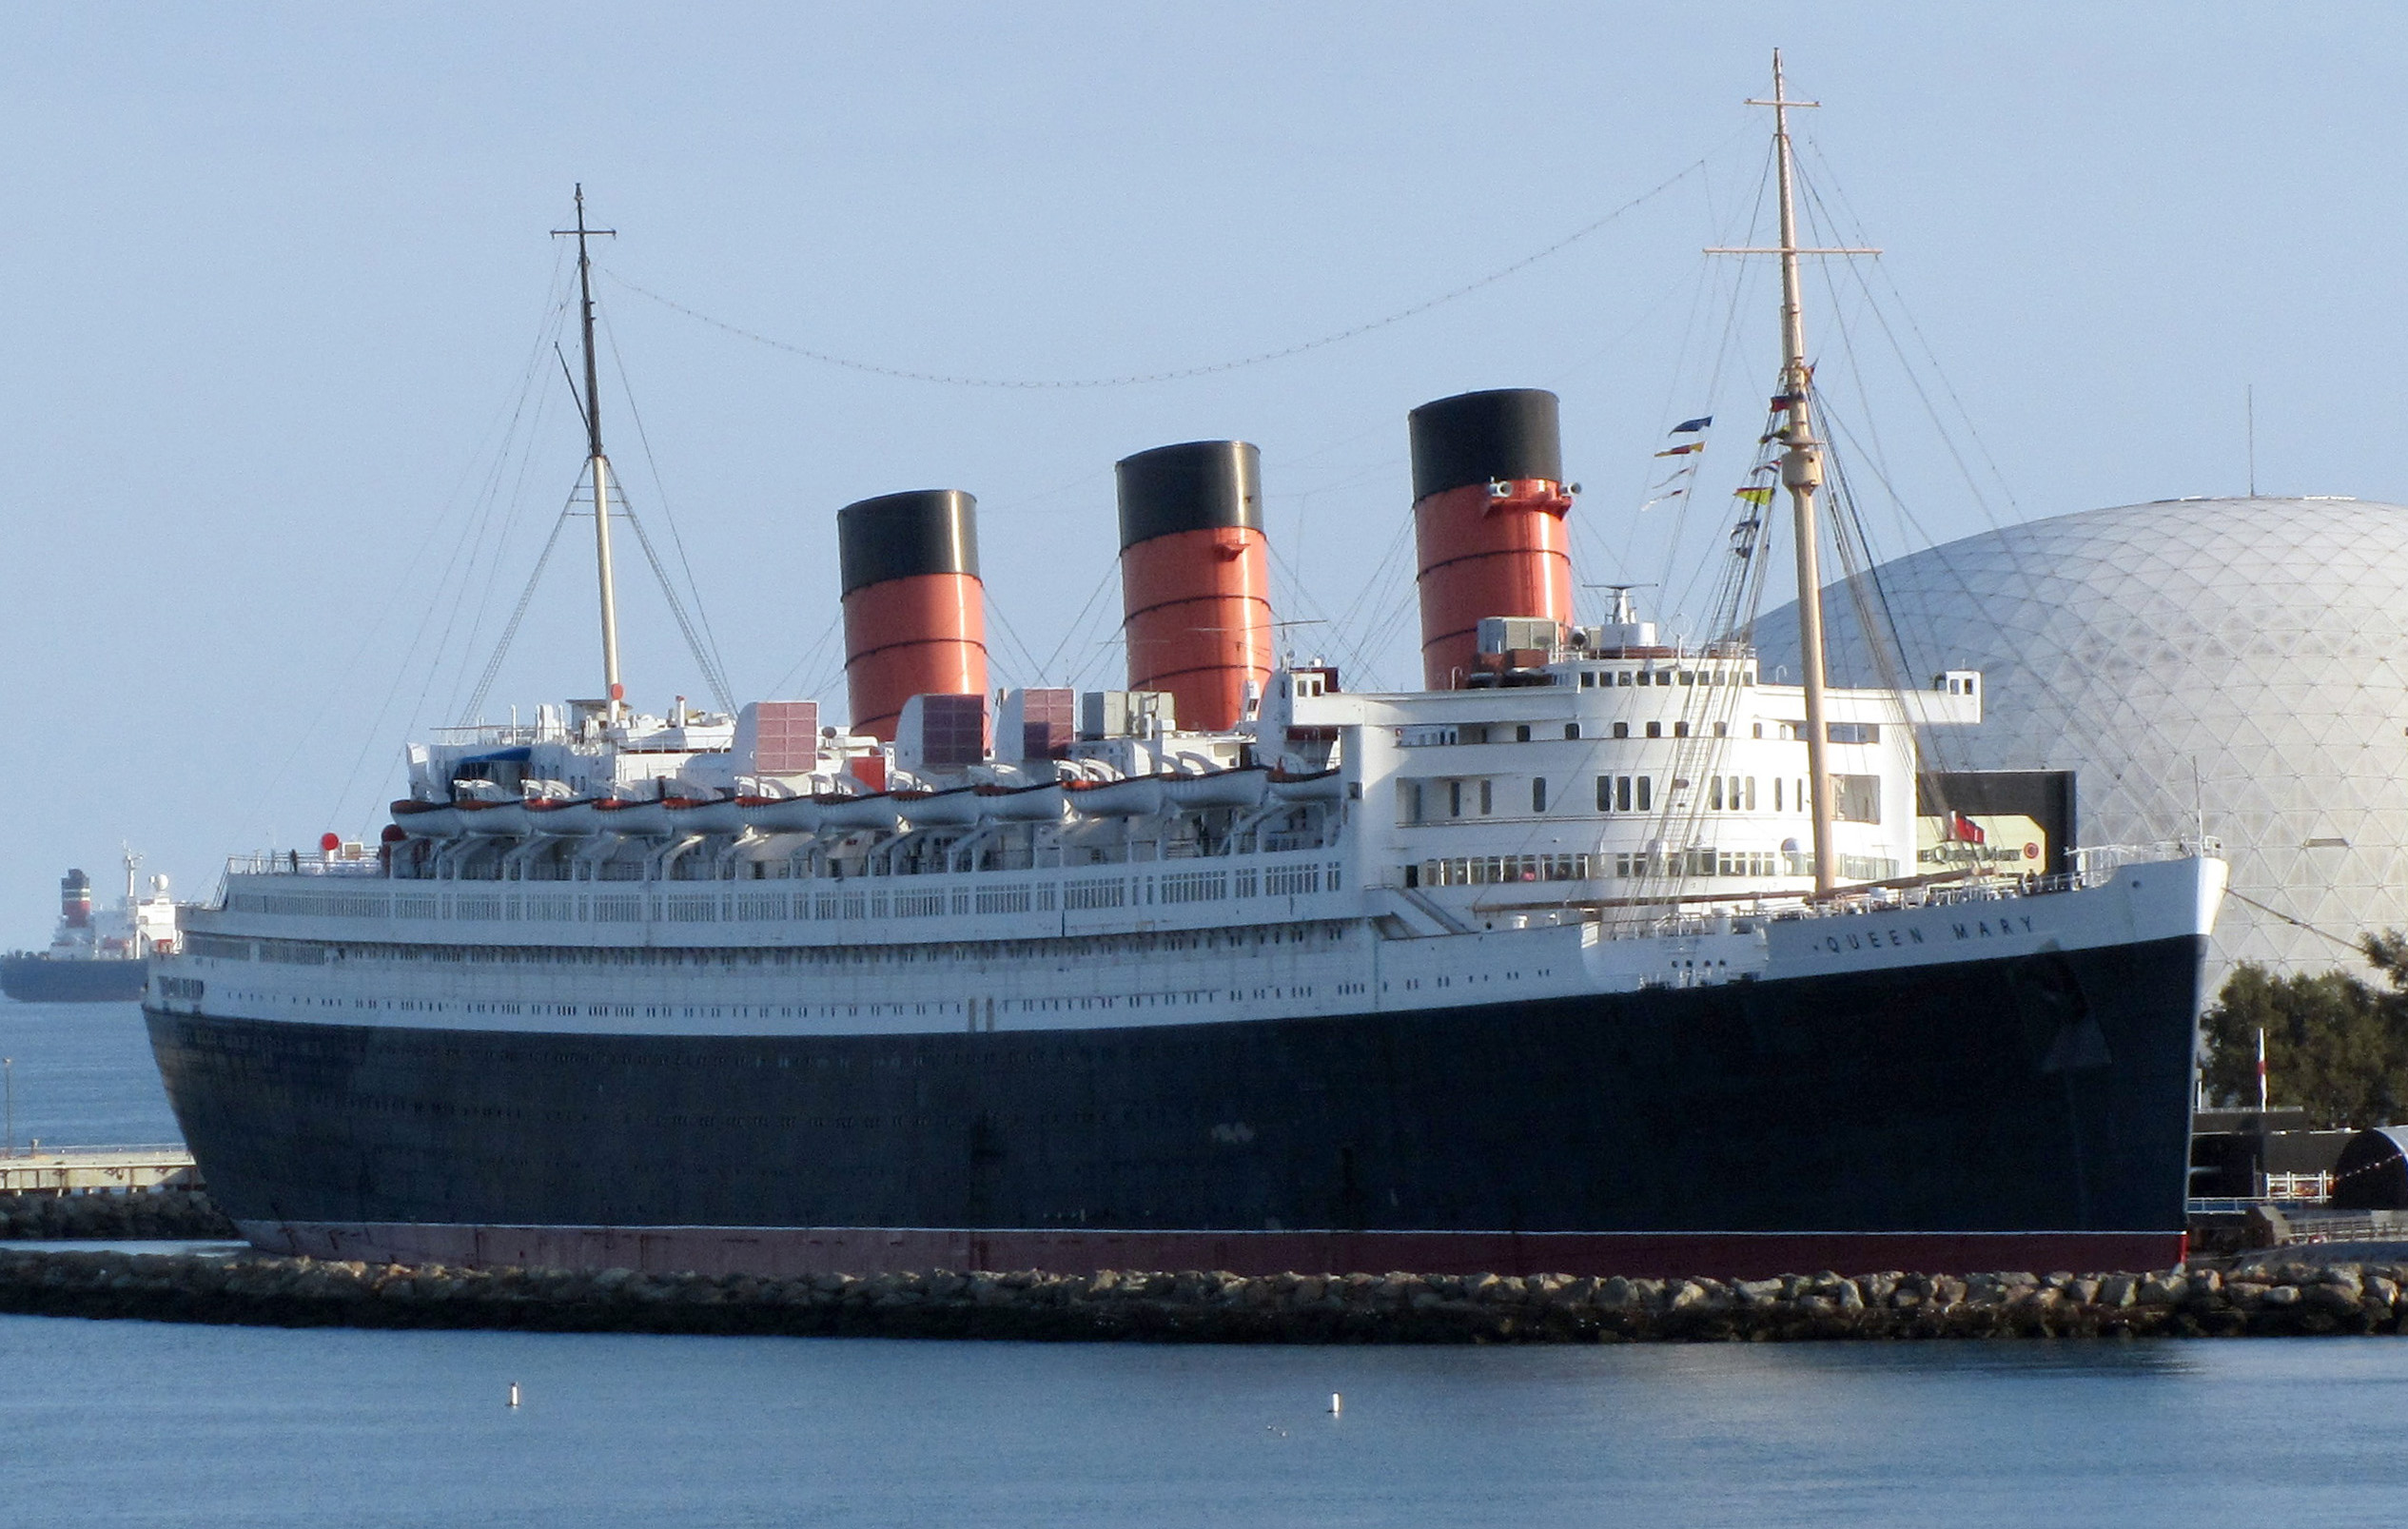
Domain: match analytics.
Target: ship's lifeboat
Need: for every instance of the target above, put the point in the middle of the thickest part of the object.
(571, 817)
(500, 819)
(426, 820)
(958, 808)
(637, 819)
(875, 810)
(779, 815)
(725, 815)
(1022, 804)
(1137, 796)
(1320, 786)
(1240, 787)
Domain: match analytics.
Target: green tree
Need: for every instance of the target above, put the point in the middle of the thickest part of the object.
(2337, 1046)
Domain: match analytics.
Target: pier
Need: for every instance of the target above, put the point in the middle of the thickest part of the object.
(62, 1170)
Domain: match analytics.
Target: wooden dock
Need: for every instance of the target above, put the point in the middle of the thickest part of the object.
(59, 1171)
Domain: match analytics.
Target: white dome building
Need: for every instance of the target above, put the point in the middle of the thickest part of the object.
(2243, 658)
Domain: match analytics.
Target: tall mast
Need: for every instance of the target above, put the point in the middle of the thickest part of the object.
(1801, 474)
(597, 464)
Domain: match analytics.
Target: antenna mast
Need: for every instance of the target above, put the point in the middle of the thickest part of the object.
(596, 463)
(1802, 474)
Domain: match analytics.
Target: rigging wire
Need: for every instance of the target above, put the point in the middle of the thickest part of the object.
(504, 437)
(816, 651)
(994, 608)
(1180, 374)
(660, 490)
(710, 674)
(510, 629)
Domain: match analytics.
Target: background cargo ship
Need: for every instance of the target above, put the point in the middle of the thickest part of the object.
(1597, 953)
(95, 957)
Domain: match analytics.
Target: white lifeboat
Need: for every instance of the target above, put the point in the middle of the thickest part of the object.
(1040, 803)
(779, 815)
(875, 810)
(1238, 787)
(426, 820)
(637, 820)
(958, 808)
(502, 819)
(725, 815)
(1136, 796)
(1320, 786)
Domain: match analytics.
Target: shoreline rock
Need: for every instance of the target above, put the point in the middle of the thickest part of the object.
(155, 1215)
(1211, 1306)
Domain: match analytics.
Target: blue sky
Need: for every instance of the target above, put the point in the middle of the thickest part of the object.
(276, 286)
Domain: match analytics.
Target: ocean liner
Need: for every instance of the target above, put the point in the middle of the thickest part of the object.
(1599, 952)
(96, 957)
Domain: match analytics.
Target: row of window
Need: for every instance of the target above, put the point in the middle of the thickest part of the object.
(1506, 870)
(1082, 947)
(1624, 679)
(1855, 798)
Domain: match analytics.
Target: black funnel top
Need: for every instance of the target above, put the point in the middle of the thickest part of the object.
(1197, 486)
(1508, 432)
(899, 535)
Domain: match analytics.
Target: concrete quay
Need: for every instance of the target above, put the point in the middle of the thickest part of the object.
(1196, 1307)
(90, 1169)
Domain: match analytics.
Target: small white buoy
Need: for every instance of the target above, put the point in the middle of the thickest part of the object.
(514, 1392)
(1337, 1404)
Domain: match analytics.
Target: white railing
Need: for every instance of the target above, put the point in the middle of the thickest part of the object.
(2096, 860)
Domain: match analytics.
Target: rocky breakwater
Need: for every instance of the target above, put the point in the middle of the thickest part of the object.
(1208, 1308)
(176, 1215)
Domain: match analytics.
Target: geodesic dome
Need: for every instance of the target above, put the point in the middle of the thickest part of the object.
(2242, 658)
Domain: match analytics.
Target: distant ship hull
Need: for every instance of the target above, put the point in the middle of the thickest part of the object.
(38, 979)
(2023, 1112)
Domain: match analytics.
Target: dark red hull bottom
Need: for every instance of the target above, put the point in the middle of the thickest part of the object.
(783, 1252)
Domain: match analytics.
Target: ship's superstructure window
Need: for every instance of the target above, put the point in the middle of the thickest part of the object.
(1733, 793)
(1621, 730)
(1538, 794)
(1571, 730)
(1654, 730)
(1856, 798)
(1522, 733)
(1488, 798)
(1453, 799)
(1623, 793)
(1680, 730)
(1500, 869)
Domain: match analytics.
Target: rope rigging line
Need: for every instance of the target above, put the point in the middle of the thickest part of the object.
(702, 614)
(2303, 922)
(510, 629)
(1182, 374)
(703, 660)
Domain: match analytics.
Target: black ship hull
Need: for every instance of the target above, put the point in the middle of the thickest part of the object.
(38, 979)
(2024, 1112)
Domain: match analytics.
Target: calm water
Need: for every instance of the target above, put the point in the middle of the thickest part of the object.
(141, 1425)
(83, 1075)
(137, 1424)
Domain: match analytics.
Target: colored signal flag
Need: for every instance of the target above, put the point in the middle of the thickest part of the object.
(1691, 426)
